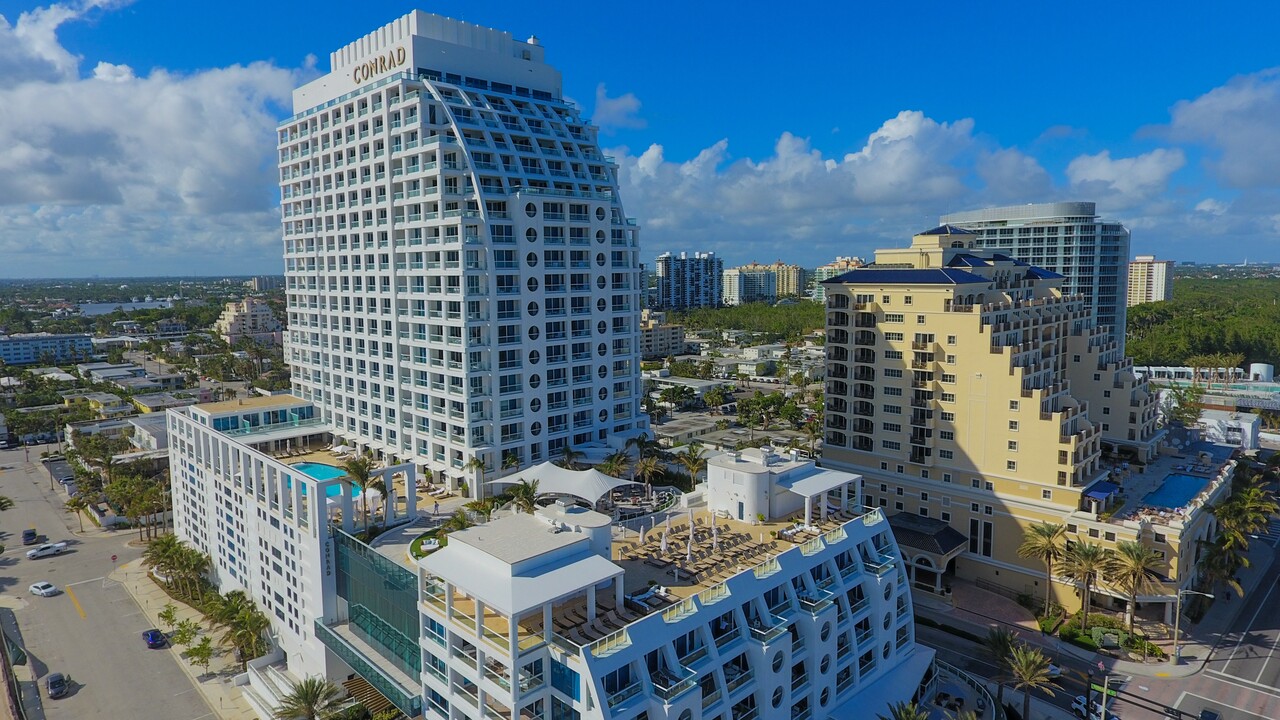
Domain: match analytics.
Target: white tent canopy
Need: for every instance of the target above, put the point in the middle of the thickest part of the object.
(590, 485)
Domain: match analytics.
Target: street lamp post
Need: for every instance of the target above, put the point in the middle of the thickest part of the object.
(1177, 623)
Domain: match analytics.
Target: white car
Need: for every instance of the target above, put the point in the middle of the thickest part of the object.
(1077, 707)
(1054, 672)
(44, 589)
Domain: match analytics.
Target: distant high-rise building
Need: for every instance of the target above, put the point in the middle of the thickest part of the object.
(686, 282)
(841, 266)
(1150, 280)
(790, 279)
(1067, 238)
(749, 284)
(248, 319)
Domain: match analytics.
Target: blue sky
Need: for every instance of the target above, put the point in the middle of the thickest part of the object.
(142, 137)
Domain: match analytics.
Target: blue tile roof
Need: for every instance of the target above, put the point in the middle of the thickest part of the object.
(908, 276)
(1005, 258)
(1041, 274)
(967, 260)
(948, 230)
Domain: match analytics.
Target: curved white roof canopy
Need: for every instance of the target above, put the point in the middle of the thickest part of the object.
(590, 485)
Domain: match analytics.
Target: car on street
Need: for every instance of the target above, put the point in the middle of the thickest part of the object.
(1054, 672)
(47, 550)
(1078, 707)
(30, 536)
(153, 638)
(56, 685)
(44, 589)
(1207, 714)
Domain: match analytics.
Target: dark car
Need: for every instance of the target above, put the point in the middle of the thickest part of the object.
(1208, 714)
(154, 638)
(56, 685)
(30, 536)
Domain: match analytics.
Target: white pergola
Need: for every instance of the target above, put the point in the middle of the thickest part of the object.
(818, 484)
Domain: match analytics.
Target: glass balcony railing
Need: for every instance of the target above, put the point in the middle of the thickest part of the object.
(671, 684)
(623, 695)
(880, 564)
(816, 601)
(768, 630)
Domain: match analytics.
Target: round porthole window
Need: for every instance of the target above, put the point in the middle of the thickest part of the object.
(686, 715)
(601, 349)
(777, 662)
(777, 697)
(531, 259)
(535, 380)
(888, 620)
(535, 405)
(888, 591)
(826, 631)
(534, 332)
(602, 327)
(600, 282)
(530, 209)
(825, 665)
(825, 697)
(604, 393)
(533, 308)
(601, 305)
(534, 357)
(604, 416)
(603, 372)
(600, 213)
(535, 428)
(533, 284)
(600, 259)
(531, 235)
(886, 650)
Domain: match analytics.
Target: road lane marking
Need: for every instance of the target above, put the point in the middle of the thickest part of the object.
(1252, 620)
(82, 582)
(1223, 703)
(75, 602)
(1243, 684)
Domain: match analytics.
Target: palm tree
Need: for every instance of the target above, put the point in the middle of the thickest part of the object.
(1219, 564)
(74, 504)
(162, 555)
(1030, 670)
(569, 457)
(510, 461)
(190, 566)
(1044, 542)
(615, 465)
(1133, 571)
(1086, 563)
(457, 521)
(483, 507)
(312, 698)
(648, 469)
(6, 503)
(813, 431)
(477, 465)
(378, 483)
(356, 472)
(246, 632)
(999, 645)
(905, 711)
(694, 460)
(524, 495)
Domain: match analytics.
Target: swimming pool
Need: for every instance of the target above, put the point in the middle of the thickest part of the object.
(1176, 491)
(320, 471)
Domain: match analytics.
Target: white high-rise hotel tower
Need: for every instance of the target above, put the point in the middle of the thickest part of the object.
(462, 279)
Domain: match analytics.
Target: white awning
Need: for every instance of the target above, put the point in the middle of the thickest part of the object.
(590, 485)
(818, 482)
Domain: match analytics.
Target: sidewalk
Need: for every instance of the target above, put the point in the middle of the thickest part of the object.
(223, 698)
(1199, 639)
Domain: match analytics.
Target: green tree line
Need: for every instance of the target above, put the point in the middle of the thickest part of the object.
(1208, 316)
(779, 322)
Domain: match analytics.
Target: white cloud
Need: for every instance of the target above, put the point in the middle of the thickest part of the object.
(1124, 182)
(1238, 122)
(1212, 207)
(1013, 176)
(91, 167)
(612, 113)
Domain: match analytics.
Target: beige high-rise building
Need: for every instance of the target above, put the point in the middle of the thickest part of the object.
(658, 338)
(249, 318)
(841, 266)
(1150, 280)
(977, 399)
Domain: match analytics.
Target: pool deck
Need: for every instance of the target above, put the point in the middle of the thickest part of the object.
(1138, 486)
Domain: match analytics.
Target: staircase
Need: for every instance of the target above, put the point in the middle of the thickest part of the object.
(364, 693)
(268, 685)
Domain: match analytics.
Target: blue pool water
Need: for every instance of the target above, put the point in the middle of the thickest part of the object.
(1176, 491)
(320, 471)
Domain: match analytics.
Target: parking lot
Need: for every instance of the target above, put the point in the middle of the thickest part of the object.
(91, 631)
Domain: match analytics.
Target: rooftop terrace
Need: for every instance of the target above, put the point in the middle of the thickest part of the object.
(1166, 491)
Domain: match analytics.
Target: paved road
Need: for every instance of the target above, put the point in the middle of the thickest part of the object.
(92, 630)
